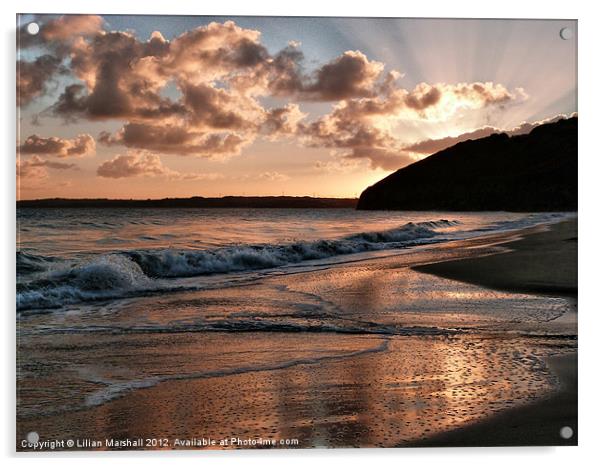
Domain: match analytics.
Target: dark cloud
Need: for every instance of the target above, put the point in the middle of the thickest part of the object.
(282, 121)
(211, 107)
(33, 77)
(215, 77)
(355, 138)
(422, 98)
(111, 65)
(58, 33)
(57, 37)
(79, 146)
(350, 75)
(174, 140)
(285, 76)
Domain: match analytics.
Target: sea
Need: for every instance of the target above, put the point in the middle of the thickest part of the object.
(287, 323)
(70, 256)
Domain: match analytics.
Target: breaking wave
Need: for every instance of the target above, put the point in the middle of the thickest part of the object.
(30, 263)
(129, 273)
(105, 277)
(170, 263)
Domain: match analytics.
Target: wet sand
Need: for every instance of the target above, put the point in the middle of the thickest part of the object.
(540, 262)
(543, 263)
(392, 391)
(364, 354)
(537, 423)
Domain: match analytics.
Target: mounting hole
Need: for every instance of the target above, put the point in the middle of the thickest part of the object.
(566, 33)
(566, 432)
(33, 28)
(33, 437)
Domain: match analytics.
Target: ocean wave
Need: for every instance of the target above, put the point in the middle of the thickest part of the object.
(28, 263)
(170, 263)
(109, 276)
(527, 221)
(128, 273)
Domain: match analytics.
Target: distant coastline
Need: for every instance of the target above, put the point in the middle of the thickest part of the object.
(253, 202)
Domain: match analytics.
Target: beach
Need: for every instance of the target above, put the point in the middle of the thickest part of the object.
(295, 232)
(536, 271)
(442, 344)
(544, 262)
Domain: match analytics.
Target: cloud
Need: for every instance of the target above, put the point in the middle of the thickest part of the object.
(352, 138)
(116, 86)
(348, 76)
(56, 33)
(36, 167)
(80, 146)
(57, 36)
(146, 164)
(352, 134)
(174, 175)
(430, 146)
(221, 49)
(435, 102)
(175, 140)
(213, 108)
(526, 127)
(440, 102)
(203, 94)
(136, 164)
(282, 121)
(362, 128)
(69, 27)
(34, 76)
(265, 176)
(273, 176)
(339, 164)
(214, 114)
(381, 158)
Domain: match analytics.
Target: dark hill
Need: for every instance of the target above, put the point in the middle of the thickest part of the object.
(531, 172)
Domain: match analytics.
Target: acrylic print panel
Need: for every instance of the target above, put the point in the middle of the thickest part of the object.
(278, 232)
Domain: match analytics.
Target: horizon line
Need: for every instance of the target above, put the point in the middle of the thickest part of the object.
(184, 198)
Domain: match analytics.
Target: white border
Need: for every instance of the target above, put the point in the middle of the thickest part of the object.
(589, 220)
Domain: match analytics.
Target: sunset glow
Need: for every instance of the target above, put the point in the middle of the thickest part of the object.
(152, 107)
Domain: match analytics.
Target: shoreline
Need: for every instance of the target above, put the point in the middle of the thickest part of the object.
(554, 273)
(326, 403)
(539, 262)
(534, 424)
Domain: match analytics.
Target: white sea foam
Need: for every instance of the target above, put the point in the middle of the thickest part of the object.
(104, 277)
(174, 263)
(128, 273)
(46, 283)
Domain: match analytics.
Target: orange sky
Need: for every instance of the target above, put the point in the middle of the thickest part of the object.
(150, 107)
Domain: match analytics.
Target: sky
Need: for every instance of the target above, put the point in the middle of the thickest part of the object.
(176, 106)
